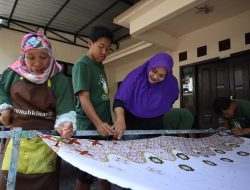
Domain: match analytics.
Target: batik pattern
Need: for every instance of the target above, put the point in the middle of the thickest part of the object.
(219, 161)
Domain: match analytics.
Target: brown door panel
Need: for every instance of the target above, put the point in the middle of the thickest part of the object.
(239, 77)
(213, 81)
(219, 77)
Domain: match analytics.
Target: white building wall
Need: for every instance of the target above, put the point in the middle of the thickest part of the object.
(233, 28)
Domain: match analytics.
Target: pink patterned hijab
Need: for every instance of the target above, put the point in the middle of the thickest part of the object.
(38, 41)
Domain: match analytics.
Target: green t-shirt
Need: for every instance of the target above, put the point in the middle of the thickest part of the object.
(59, 85)
(90, 76)
(178, 118)
(242, 114)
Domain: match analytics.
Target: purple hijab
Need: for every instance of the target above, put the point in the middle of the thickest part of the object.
(147, 100)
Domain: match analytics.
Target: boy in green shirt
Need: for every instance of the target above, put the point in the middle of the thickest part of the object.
(91, 89)
(236, 114)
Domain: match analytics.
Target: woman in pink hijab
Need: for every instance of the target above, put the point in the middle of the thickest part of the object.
(35, 95)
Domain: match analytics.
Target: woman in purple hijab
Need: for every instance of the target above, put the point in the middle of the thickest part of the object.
(145, 95)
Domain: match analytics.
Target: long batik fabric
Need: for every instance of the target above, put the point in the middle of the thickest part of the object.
(220, 161)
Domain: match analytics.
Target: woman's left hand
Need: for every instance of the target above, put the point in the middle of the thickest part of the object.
(119, 128)
(65, 129)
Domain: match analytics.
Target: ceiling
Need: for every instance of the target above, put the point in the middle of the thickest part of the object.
(207, 13)
(68, 21)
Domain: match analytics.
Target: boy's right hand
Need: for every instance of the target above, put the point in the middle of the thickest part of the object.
(6, 117)
(104, 129)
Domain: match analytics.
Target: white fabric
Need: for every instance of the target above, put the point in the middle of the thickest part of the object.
(5, 106)
(155, 163)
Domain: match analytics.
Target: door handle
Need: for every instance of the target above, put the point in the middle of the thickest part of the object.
(208, 118)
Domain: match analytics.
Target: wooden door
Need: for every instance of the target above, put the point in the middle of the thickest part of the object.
(239, 76)
(223, 77)
(213, 81)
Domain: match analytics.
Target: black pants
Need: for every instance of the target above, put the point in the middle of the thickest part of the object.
(84, 177)
(137, 123)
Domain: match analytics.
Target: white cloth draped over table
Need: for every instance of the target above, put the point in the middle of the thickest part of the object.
(216, 162)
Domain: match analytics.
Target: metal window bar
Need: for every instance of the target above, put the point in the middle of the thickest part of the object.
(17, 133)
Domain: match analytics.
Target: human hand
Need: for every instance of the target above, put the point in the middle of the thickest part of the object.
(65, 129)
(240, 131)
(6, 117)
(119, 128)
(104, 129)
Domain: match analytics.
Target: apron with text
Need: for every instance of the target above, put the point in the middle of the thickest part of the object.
(34, 109)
